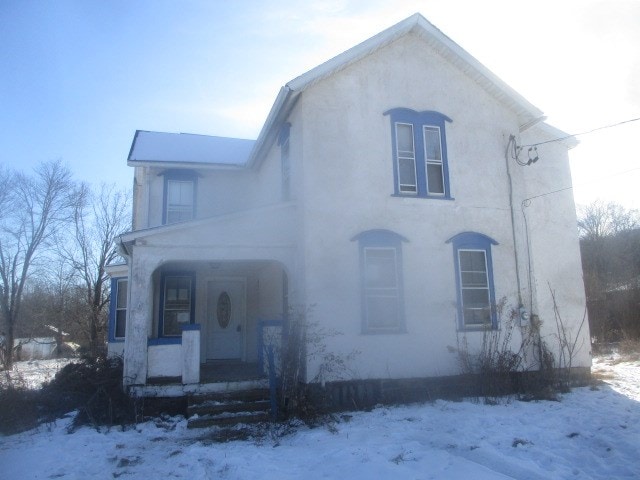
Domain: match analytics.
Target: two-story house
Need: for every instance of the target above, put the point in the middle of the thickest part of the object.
(399, 193)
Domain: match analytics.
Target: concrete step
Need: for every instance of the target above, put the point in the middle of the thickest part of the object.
(216, 408)
(227, 419)
(228, 408)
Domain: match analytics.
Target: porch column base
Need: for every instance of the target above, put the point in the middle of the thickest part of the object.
(190, 354)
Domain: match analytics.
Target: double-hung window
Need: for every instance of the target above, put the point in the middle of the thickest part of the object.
(419, 153)
(381, 281)
(179, 197)
(177, 303)
(118, 309)
(474, 280)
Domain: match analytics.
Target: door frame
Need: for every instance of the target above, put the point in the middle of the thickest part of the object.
(209, 330)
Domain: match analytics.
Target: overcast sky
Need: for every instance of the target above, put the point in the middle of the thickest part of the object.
(77, 78)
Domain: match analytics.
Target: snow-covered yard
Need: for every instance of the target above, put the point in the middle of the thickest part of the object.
(592, 433)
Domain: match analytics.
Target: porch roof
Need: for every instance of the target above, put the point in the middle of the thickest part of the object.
(262, 227)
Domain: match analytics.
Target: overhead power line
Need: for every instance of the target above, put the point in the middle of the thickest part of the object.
(583, 133)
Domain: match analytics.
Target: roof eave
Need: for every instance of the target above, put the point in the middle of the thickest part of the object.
(277, 116)
(193, 165)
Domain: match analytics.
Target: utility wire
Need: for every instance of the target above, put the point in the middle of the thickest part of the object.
(582, 133)
(528, 200)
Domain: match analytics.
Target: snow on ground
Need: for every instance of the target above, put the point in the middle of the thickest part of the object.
(33, 373)
(593, 433)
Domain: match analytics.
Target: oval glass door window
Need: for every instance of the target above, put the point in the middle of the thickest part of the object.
(223, 310)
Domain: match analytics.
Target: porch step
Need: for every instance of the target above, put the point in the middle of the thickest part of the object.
(228, 408)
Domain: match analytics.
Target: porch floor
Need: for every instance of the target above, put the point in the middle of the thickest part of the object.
(228, 371)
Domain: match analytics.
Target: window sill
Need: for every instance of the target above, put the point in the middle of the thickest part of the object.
(478, 328)
(164, 341)
(422, 197)
(390, 331)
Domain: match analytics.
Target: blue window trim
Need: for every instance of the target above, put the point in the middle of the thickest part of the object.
(163, 279)
(419, 120)
(184, 175)
(113, 300)
(381, 238)
(474, 241)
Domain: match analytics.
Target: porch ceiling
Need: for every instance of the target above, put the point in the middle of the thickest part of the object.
(220, 267)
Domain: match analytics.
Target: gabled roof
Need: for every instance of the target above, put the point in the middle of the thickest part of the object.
(527, 113)
(177, 149)
(216, 152)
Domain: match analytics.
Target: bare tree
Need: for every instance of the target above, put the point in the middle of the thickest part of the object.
(33, 208)
(98, 219)
(610, 237)
(600, 219)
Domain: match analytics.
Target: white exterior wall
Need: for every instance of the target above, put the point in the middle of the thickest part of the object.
(348, 183)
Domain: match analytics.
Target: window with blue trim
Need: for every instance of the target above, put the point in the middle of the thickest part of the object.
(179, 196)
(177, 302)
(474, 280)
(420, 164)
(118, 309)
(381, 281)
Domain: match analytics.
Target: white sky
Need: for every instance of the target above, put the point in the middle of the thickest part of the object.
(79, 77)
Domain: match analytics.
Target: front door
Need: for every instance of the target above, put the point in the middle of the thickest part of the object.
(226, 315)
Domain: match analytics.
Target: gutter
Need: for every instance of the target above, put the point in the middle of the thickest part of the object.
(279, 112)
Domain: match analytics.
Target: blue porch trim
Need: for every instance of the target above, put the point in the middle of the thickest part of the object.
(262, 324)
(164, 341)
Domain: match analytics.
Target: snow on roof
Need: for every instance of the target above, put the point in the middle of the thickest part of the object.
(167, 148)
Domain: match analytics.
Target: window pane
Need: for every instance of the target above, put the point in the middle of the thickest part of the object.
(380, 268)
(177, 292)
(121, 323)
(382, 311)
(121, 300)
(476, 306)
(179, 200)
(472, 261)
(404, 135)
(474, 279)
(432, 143)
(435, 182)
(407, 172)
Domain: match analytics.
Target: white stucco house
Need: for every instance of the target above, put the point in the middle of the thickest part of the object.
(393, 191)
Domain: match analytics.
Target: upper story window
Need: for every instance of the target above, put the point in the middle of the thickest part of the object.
(285, 162)
(420, 166)
(177, 302)
(381, 281)
(474, 280)
(118, 309)
(179, 196)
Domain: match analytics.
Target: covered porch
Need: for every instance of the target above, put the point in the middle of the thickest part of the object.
(212, 321)
(202, 295)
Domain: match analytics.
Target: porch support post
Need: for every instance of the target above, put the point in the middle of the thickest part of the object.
(138, 322)
(190, 353)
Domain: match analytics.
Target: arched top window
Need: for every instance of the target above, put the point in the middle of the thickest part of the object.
(381, 281)
(474, 280)
(420, 160)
